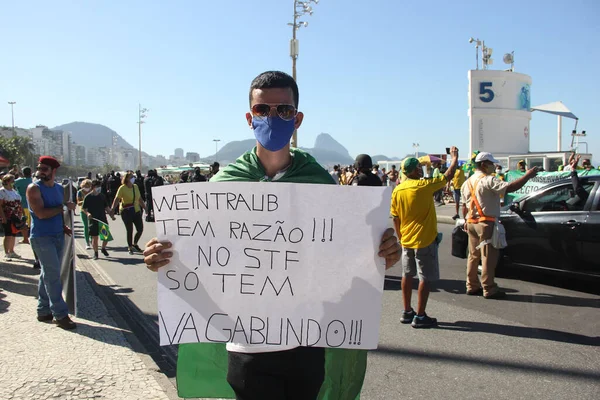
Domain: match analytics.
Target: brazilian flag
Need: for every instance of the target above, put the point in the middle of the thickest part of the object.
(104, 231)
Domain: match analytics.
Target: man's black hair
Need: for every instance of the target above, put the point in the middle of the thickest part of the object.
(275, 80)
(27, 172)
(96, 183)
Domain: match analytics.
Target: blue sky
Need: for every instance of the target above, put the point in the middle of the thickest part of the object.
(376, 75)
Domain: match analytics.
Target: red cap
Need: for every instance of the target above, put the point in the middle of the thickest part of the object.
(49, 161)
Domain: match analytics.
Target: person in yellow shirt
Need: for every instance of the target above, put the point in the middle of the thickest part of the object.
(131, 210)
(457, 182)
(415, 222)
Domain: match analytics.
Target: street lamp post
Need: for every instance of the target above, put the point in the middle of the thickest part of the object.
(416, 147)
(12, 113)
(300, 8)
(141, 116)
(216, 148)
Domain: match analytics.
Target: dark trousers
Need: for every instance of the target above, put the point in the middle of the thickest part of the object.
(150, 207)
(129, 219)
(295, 374)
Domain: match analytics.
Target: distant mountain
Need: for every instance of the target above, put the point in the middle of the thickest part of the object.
(327, 143)
(93, 135)
(231, 151)
(327, 151)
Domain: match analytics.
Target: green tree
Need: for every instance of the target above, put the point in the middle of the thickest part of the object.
(18, 149)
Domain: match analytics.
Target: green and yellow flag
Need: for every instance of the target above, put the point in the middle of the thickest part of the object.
(103, 231)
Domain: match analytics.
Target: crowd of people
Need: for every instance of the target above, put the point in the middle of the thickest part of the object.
(355, 175)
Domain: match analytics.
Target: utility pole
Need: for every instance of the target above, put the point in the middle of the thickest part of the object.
(416, 147)
(216, 148)
(12, 112)
(300, 8)
(141, 117)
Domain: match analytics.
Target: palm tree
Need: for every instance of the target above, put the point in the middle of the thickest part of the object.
(18, 149)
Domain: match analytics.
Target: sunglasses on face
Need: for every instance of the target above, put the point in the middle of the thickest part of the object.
(286, 112)
(43, 169)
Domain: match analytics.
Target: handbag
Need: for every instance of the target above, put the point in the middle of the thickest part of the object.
(460, 243)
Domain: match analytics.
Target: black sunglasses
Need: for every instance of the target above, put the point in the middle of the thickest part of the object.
(286, 112)
(43, 169)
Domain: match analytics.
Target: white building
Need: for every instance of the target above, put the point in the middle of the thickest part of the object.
(98, 156)
(125, 159)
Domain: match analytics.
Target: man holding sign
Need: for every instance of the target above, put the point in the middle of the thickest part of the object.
(263, 372)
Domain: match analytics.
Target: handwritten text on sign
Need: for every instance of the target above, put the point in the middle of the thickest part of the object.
(271, 264)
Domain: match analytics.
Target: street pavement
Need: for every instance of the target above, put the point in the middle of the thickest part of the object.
(39, 360)
(541, 342)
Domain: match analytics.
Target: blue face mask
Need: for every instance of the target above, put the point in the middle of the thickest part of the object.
(273, 133)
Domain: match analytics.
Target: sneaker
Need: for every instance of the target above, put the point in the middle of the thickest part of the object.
(424, 322)
(475, 292)
(45, 318)
(130, 250)
(137, 248)
(7, 257)
(15, 255)
(496, 295)
(407, 316)
(456, 217)
(88, 247)
(104, 252)
(95, 256)
(66, 323)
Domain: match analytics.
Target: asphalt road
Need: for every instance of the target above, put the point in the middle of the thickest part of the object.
(542, 341)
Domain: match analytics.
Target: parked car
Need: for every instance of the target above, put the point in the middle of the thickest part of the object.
(555, 230)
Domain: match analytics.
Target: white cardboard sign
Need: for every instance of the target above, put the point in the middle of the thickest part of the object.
(271, 264)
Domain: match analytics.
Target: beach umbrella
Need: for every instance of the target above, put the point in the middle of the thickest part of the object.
(428, 159)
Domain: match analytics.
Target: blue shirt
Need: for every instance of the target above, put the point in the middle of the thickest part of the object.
(52, 197)
(21, 187)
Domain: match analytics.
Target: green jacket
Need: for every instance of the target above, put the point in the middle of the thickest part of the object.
(202, 367)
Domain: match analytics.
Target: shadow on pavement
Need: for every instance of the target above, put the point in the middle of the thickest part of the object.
(4, 304)
(520, 332)
(112, 258)
(460, 360)
(19, 277)
(392, 283)
(448, 285)
(559, 280)
(136, 324)
(547, 298)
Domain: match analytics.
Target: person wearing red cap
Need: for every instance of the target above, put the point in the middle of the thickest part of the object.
(45, 199)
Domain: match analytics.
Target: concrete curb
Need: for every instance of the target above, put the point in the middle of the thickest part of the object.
(444, 219)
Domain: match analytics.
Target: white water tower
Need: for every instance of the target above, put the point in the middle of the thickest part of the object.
(499, 107)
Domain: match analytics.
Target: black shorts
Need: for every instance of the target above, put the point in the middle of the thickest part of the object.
(7, 228)
(94, 227)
